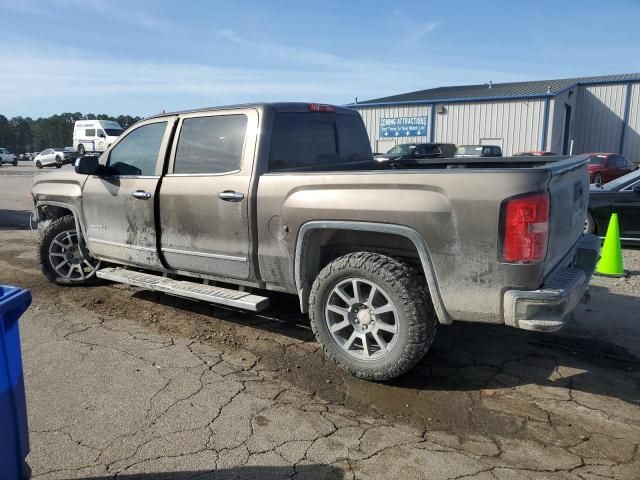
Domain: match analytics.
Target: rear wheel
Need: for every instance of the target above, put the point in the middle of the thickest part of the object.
(372, 315)
(58, 162)
(61, 257)
(81, 149)
(597, 178)
(589, 224)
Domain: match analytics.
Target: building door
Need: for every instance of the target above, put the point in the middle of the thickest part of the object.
(383, 146)
(567, 124)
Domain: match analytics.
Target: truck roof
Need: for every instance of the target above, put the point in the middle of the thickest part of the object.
(277, 106)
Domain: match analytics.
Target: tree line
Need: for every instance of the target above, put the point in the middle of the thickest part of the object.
(24, 134)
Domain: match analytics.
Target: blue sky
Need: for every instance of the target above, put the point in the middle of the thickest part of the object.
(142, 56)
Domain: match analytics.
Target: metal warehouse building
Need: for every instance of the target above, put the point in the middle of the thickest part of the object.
(590, 114)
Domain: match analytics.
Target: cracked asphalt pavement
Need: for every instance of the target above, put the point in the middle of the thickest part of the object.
(131, 384)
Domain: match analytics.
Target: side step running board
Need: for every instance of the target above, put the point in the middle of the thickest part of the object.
(181, 288)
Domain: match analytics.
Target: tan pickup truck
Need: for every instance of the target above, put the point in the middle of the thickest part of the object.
(227, 204)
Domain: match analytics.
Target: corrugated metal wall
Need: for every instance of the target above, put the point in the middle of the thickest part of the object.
(596, 124)
(517, 123)
(599, 114)
(631, 148)
(372, 116)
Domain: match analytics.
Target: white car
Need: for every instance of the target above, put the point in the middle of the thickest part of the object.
(7, 157)
(52, 157)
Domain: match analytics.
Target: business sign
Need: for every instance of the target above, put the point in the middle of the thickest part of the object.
(403, 127)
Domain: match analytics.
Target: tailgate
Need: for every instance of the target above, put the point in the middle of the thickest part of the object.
(569, 193)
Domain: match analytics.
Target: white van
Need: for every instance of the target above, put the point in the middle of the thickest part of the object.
(94, 135)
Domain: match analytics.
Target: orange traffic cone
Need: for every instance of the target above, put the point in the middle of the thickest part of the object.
(610, 264)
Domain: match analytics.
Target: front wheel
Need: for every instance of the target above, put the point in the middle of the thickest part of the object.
(372, 315)
(38, 164)
(61, 256)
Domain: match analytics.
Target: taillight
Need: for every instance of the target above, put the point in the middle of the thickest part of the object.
(321, 107)
(525, 227)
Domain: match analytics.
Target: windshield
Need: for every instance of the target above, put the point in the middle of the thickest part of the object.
(112, 132)
(621, 181)
(597, 160)
(402, 149)
(469, 150)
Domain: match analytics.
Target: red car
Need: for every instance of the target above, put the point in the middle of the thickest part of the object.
(604, 167)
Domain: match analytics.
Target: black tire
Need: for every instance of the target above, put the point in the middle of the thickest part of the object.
(589, 224)
(58, 162)
(15, 163)
(597, 178)
(81, 149)
(38, 164)
(56, 227)
(408, 293)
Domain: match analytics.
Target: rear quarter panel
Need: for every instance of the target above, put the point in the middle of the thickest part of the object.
(456, 211)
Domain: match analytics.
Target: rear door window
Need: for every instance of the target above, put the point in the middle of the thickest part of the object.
(306, 141)
(210, 144)
(90, 132)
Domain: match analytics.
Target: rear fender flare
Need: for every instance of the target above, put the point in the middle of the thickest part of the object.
(302, 244)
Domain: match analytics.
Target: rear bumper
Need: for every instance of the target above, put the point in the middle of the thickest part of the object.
(545, 309)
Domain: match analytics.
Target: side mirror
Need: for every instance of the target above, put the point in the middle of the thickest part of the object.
(102, 135)
(636, 188)
(87, 165)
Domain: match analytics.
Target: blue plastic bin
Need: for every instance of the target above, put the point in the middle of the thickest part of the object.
(14, 433)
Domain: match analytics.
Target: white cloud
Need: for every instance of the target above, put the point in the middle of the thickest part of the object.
(290, 54)
(100, 10)
(40, 81)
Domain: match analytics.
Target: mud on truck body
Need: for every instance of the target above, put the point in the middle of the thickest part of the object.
(227, 204)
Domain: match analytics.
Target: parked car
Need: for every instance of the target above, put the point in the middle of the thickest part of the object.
(7, 157)
(94, 135)
(415, 153)
(535, 153)
(53, 157)
(377, 256)
(478, 151)
(621, 196)
(604, 167)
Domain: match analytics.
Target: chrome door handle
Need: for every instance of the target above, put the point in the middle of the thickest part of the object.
(231, 196)
(141, 194)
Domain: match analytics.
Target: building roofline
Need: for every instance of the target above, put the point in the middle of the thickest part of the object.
(452, 100)
(497, 98)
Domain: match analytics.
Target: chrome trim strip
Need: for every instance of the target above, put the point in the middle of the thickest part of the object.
(122, 245)
(221, 174)
(206, 255)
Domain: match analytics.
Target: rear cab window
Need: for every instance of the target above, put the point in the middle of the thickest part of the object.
(210, 145)
(308, 141)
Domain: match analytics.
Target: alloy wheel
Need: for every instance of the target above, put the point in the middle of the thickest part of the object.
(67, 259)
(362, 319)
